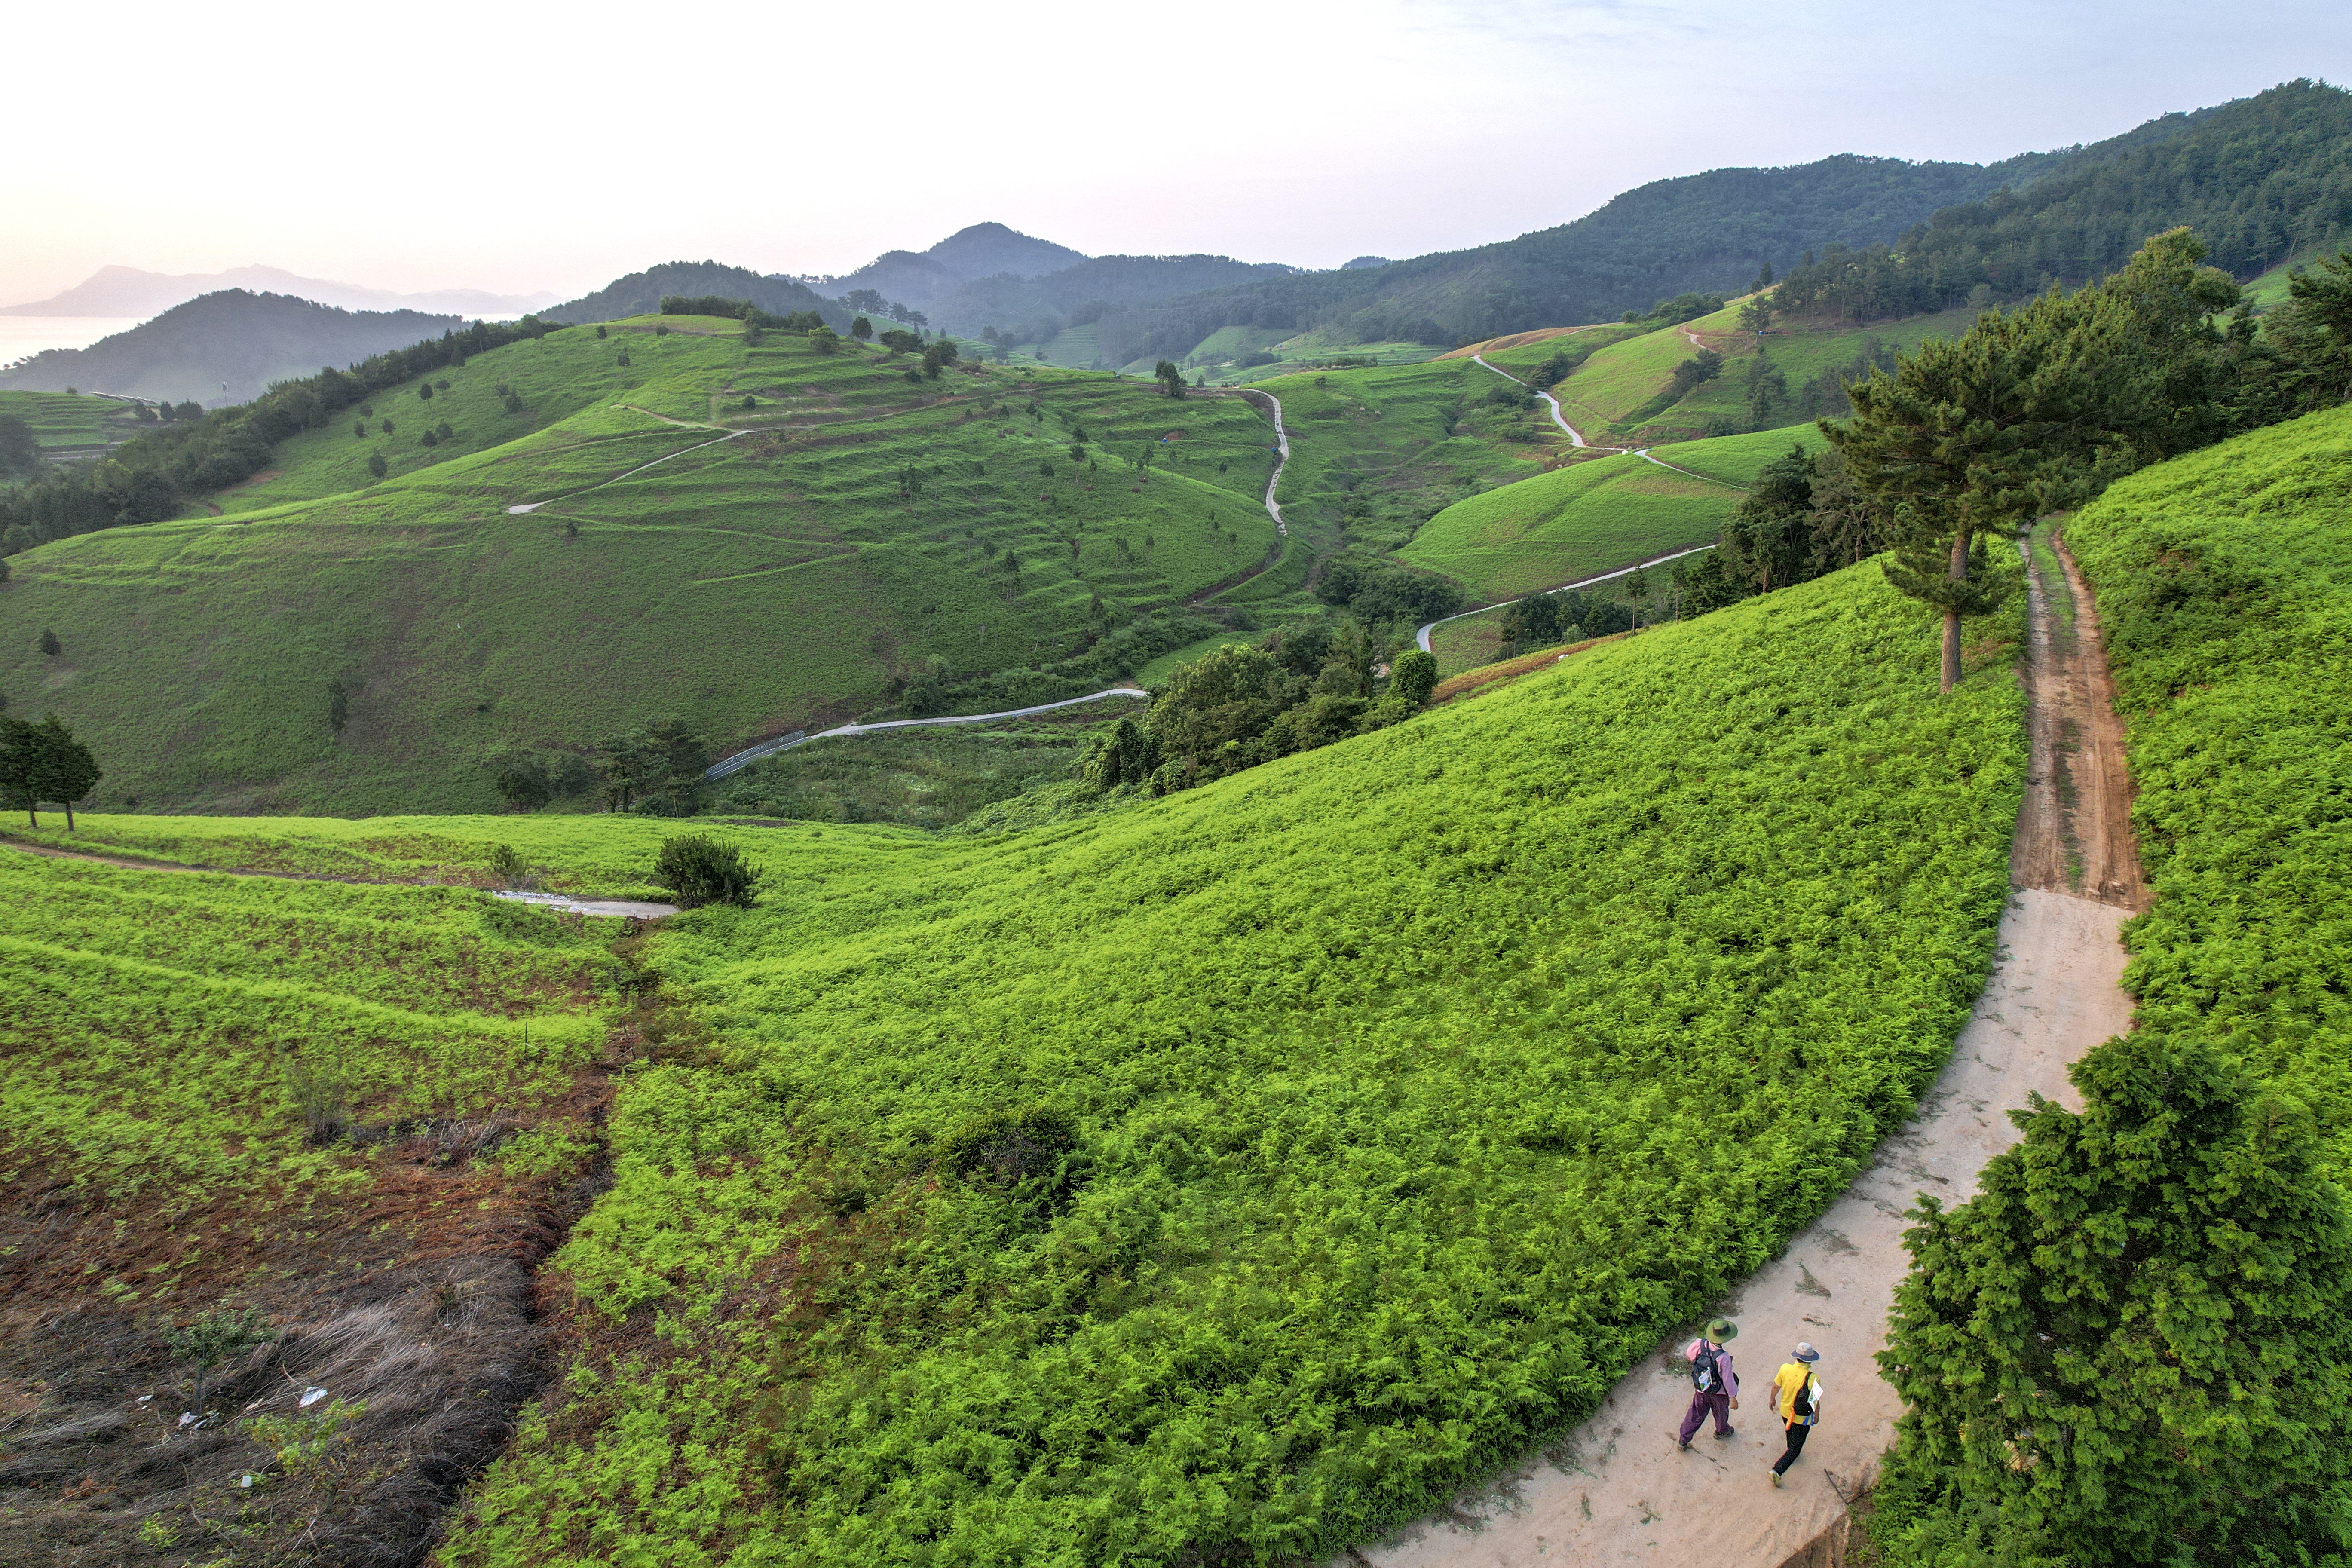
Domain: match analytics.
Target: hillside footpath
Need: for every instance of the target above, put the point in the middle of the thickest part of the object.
(1616, 1490)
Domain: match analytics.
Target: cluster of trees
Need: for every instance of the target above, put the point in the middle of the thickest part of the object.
(1674, 312)
(2260, 181)
(1966, 441)
(740, 311)
(654, 770)
(41, 763)
(1384, 594)
(1248, 703)
(1548, 620)
(1170, 377)
(2037, 410)
(867, 302)
(148, 478)
(20, 449)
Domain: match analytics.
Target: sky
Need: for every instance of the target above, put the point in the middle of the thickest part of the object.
(516, 148)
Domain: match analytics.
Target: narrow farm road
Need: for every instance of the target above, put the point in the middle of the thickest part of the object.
(1281, 452)
(1420, 638)
(633, 908)
(526, 509)
(1574, 438)
(1617, 1489)
(745, 758)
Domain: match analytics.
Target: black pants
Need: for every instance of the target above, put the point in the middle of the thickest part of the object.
(1796, 1447)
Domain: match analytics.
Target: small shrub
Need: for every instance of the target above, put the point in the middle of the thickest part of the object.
(49, 644)
(215, 1337)
(508, 865)
(1009, 1146)
(700, 870)
(323, 1097)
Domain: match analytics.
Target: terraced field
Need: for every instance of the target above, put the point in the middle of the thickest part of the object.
(861, 526)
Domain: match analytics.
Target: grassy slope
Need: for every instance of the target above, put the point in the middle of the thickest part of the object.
(1605, 394)
(747, 587)
(2225, 589)
(1420, 1083)
(1594, 516)
(67, 419)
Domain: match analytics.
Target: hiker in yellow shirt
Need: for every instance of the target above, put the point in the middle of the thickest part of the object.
(1796, 1394)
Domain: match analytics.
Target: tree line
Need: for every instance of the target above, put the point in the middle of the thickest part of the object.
(1246, 703)
(152, 476)
(1964, 442)
(43, 763)
(2266, 180)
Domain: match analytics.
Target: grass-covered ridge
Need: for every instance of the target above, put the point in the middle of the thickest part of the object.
(1596, 515)
(2225, 587)
(1377, 1109)
(815, 527)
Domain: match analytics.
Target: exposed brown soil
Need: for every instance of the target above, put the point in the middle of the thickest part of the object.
(410, 1292)
(1513, 341)
(1487, 676)
(2075, 831)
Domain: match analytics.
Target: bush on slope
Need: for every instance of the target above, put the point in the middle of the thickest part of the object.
(1375, 1110)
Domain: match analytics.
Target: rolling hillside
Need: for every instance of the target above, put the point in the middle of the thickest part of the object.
(1596, 516)
(641, 292)
(1305, 1066)
(781, 563)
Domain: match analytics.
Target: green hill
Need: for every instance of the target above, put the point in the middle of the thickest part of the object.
(1131, 1149)
(782, 563)
(1596, 515)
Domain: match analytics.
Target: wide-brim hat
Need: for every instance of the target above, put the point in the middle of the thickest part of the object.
(1807, 1353)
(1722, 1329)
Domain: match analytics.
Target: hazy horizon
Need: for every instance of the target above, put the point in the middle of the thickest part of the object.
(1308, 134)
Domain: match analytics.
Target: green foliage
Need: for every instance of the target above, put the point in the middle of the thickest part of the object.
(471, 624)
(192, 1035)
(1417, 1087)
(1413, 677)
(213, 1337)
(700, 870)
(2259, 180)
(2119, 1352)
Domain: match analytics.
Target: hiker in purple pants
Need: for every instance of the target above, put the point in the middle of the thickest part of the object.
(1715, 1387)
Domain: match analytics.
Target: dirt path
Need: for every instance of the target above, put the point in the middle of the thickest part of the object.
(745, 758)
(530, 507)
(630, 908)
(1616, 1490)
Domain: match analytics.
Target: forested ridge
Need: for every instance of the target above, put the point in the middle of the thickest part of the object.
(2261, 181)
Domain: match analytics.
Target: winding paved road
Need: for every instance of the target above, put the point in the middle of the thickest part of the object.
(1574, 438)
(1420, 638)
(744, 759)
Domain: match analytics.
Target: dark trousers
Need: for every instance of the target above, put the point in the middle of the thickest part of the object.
(1703, 1400)
(1796, 1447)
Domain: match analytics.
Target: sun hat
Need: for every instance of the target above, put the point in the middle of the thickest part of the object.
(1807, 1353)
(1722, 1329)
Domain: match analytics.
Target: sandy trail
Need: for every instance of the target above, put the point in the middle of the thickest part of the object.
(1616, 1490)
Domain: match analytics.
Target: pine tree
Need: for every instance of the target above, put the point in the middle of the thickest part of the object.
(2129, 1348)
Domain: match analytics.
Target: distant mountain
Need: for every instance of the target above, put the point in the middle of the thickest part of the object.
(641, 292)
(1714, 231)
(983, 251)
(1031, 309)
(246, 341)
(127, 291)
(1361, 262)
